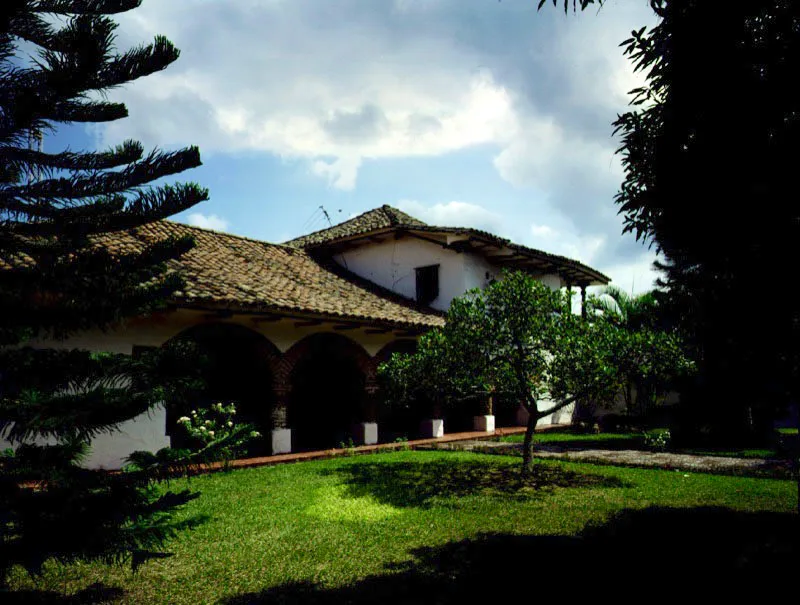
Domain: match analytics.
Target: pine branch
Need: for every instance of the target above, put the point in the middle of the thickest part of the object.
(78, 7)
(127, 152)
(156, 165)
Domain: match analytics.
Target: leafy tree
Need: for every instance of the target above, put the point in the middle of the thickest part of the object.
(58, 278)
(515, 338)
(650, 359)
(705, 181)
(630, 311)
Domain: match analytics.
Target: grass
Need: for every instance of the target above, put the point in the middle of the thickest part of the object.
(392, 527)
(635, 441)
(566, 438)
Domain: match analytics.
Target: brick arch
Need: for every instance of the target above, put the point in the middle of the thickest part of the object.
(242, 360)
(325, 378)
(201, 331)
(400, 345)
(286, 365)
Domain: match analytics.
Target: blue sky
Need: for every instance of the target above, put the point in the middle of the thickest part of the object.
(461, 112)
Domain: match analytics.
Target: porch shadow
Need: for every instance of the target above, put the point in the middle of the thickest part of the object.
(91, 595)
(660, 551)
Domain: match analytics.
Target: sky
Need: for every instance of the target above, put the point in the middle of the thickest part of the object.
(472, 113)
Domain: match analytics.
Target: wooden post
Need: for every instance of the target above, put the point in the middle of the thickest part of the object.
(569, 296)
(583, 301)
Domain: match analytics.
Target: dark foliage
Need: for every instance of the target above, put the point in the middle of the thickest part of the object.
(710, 150)
(56, 279)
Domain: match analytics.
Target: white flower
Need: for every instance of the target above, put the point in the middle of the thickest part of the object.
(230, 424)
(194, 412)
(210, 433)
(207, 423)
(183, 420)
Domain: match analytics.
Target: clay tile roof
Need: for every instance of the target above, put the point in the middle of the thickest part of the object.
(379, 218)
(388, 218)
(237, 273)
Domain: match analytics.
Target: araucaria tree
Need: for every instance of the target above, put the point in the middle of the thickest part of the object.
(516, 337)
(55, 280)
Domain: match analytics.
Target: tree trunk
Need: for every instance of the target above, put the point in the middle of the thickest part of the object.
(527, 446)
(629, 398)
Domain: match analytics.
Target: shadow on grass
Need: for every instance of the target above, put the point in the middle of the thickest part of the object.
(418, 484)
(659, 550)
(92, 595)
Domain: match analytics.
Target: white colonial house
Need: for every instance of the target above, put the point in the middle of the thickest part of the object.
(295, 331)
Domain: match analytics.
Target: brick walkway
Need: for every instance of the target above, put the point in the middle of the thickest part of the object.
(362, 449)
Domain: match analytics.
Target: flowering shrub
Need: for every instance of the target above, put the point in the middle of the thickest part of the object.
(217, 435)
(658, 440)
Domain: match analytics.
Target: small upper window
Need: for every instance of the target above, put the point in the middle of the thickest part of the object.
(427, 284)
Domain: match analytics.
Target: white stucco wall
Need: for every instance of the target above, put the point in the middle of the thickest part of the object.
(392, 264)
(146, 432)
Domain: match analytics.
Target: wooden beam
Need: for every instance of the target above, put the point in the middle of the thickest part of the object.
(346, 326)
(307, 324)
(221, 314)
(265, 318)
(377, 330)
(429, 239)
(505, 258)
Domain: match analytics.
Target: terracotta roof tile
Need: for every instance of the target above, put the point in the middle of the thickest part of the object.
(379, 218)
(386, 217)
(234, 272)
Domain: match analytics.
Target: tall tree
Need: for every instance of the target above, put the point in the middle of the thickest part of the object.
(709, 149)
(57, 278)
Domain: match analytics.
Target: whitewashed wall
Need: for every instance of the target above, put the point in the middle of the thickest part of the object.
(146, 432)
(392, 264)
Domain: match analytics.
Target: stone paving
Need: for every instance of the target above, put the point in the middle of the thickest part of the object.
(686, 462)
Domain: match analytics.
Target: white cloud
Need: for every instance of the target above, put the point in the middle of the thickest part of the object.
(363, 82)
(210, 221)
(543, 232)
(455, 214)
(337, 86)
(569, 243)
(635, 276)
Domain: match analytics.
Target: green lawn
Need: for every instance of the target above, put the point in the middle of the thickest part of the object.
(635, 441)
(392, 527)
(567, 438)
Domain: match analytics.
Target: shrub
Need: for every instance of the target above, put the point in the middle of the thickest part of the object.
(658, 440)
(215, 435)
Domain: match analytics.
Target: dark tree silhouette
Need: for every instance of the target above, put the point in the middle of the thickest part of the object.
(709, 149)
(56, 278)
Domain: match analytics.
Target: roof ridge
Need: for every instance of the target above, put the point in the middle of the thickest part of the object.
(385, 214)
(232, 235)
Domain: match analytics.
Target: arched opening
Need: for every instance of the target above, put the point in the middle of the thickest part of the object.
(235, 366)
(327, 396)
(397, 422)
